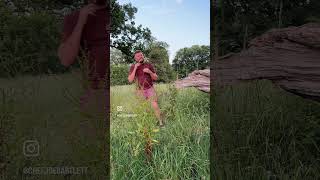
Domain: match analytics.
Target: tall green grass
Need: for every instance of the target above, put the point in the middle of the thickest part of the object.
(46, 109)
(180, 150)
(260, 131)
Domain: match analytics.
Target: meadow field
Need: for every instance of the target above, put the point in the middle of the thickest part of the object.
(262, 132)
(45, 109)
(180, 150)
(259, 131)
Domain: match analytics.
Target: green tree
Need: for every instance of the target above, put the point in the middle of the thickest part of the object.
(189, 59)
(239, 21)
(158, 55)
(30, 31)
(119, 74)
(28, 43)
(125, 35)
(117, 57)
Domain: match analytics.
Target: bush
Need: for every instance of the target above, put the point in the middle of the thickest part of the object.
(28, 43)
(159, 58)
(119, 74)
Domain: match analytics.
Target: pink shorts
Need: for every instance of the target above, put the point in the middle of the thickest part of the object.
(147, 93)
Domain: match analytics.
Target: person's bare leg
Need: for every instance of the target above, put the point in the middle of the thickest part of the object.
(156, 108)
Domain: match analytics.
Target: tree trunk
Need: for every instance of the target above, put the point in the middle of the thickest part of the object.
(289, 57)
(214, 28)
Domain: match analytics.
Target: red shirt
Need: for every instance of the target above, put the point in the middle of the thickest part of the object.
(144, 79)
(95, 41)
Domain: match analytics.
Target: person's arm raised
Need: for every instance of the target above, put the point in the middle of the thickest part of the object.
(152, 73)
(69, 49)
(154, 76)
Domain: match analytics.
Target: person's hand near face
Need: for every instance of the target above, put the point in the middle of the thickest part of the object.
(137, 65)
(90, 9)
(87, 10)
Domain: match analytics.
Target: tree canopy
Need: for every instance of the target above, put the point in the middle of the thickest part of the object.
(158, 55)
(238, 21)
(27, 25)
(189, 59)
(125, 34)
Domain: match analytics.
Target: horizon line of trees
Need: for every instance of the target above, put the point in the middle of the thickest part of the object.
(185, 61)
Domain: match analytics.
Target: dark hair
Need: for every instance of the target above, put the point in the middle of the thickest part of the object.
(137, 51)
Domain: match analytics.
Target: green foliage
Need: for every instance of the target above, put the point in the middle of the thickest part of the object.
(159, 57)
(30, 34)
(180, 148)
(28, 44)
(168, 102)
(119, 74)
(189, 59)
(145, 129)
(125, 35)
(240, 21)
(117, 57)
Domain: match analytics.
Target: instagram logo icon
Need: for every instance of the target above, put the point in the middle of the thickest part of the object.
(31, 148)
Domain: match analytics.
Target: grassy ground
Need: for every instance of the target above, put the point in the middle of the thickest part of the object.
(46, 109)
(261, 132)
(179, 151)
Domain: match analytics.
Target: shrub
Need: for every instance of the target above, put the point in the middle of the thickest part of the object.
(28, 43)
(119, 74)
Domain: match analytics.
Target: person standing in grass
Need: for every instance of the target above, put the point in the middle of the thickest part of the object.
(88, 29)
(145, 74)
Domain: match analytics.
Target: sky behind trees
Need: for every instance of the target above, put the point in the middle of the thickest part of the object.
(180, 23)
